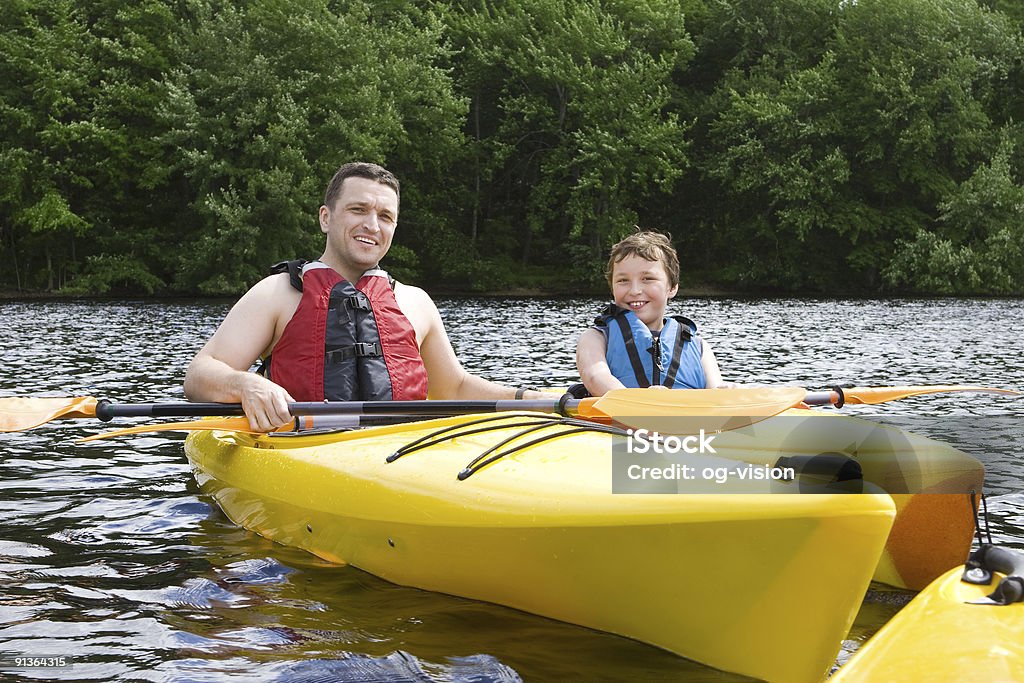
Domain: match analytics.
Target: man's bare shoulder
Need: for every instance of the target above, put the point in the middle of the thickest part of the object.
(420, 309)
(278, 282)
(273, 289)
(414, 296)
(272, 299)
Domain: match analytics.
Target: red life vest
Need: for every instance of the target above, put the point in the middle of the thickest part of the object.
(345, 342)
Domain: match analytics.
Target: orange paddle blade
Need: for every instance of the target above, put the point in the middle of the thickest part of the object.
(19, 414)
(875, 395)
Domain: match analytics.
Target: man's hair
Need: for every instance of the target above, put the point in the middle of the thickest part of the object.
(358, 169)
(650, 246)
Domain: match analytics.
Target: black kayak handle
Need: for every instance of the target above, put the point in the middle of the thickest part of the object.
(988, 559)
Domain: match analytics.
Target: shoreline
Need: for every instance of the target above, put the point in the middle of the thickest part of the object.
(693, 292)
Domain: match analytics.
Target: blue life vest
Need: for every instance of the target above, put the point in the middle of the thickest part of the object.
(640, 358)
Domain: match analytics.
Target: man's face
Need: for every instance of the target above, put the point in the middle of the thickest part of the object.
(361, 224)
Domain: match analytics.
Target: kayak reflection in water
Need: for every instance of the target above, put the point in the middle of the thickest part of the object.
(633, 343)
(339, 328)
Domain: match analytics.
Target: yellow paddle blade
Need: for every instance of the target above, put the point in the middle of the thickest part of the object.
(19, 414)
(227, 424)
(743, 401)
(875, 395)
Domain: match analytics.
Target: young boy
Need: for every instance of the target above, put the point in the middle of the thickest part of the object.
(633, 343)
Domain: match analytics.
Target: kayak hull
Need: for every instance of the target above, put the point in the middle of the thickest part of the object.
(761, 584)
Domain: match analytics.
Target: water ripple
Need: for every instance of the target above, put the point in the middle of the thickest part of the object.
(109, 554)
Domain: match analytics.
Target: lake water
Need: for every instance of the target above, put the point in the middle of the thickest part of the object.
(112, 558)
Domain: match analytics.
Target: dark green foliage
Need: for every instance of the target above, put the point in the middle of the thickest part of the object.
(570, 119)
(269, 98)
(977, 246)
(833, 143)
(78, 100)
(166, 146)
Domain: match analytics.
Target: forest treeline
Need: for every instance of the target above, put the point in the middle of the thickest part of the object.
(182, 146)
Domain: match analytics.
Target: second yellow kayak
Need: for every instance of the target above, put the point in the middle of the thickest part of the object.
(943, 635)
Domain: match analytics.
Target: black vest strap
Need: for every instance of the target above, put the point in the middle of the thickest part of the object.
(294, 270)
(683, 335)
(631, 350)
(606, 314)
(655, 351)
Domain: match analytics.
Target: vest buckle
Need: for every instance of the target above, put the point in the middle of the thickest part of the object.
(359, 302)
(357, 350)
(363, 349)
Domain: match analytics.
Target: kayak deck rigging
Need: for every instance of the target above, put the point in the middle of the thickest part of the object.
(530, 425)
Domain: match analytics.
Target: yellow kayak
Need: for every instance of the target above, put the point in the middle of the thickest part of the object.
(944, 635)
(756, 581)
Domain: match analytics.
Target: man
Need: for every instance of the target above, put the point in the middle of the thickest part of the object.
(359, 217)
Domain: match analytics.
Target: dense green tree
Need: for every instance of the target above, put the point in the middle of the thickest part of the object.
(182, 145)
(269, 97)
(44, 127)
(829, 162)
(774, 154)
(570, 115)
(77, 123)
(919, 78)
(769, 170)
(977, 246)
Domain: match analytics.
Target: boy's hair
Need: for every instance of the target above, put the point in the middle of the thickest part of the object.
(650, 246)
(358, 169)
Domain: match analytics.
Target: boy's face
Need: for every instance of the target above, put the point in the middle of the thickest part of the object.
(642, 286)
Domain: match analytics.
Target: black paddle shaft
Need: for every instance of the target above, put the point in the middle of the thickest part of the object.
(105, 410)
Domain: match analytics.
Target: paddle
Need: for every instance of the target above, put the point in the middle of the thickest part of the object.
(716, 409)
(241, 424)
(874, 395)
(19, 414)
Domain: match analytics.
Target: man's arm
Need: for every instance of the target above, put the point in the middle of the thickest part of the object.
(446, 377)
(220, 371)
